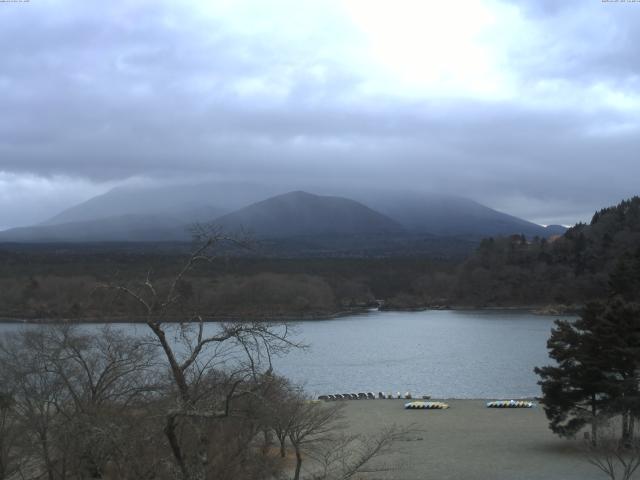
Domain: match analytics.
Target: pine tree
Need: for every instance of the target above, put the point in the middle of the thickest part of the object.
(597, 375)
(624, 281)
(575, 391)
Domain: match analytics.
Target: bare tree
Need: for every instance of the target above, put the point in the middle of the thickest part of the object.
(68, 393)
(347, 456)
(38, 396)
(10, 436)
(617, 458)
(193, 352)
(281, 411)
(310, 424)
(104, 375)
(316, 431)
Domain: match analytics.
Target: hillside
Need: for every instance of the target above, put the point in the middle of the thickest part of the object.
(417, 212)
(379, 222)
(304, 214)
(163, 200)
(124, 228)
(571, 270)
(449, 215)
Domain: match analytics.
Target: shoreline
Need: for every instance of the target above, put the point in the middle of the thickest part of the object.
(546, 310)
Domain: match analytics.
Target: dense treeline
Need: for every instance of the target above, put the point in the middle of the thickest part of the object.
(565, 271)
(62, 284)
(595, 377)
(57, 282)
(573, 268)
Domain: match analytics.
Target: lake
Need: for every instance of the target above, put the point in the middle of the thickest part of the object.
(443, 353)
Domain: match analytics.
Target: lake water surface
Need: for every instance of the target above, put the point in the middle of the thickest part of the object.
(447, 354)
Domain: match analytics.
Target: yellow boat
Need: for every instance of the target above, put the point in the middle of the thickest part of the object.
(426, 405)
(510, 404)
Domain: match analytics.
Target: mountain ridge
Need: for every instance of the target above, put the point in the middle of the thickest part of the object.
(164, 213)
(300, 213)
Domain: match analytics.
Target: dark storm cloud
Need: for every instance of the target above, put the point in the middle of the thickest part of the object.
(103, 93)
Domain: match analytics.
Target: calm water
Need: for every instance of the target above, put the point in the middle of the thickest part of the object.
(461, 354)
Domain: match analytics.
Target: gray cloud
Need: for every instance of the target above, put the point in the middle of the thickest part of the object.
(97, 95)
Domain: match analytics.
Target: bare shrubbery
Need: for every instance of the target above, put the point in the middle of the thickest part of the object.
(189, 400)
(76, 405)
(617, 458)
(72, 396)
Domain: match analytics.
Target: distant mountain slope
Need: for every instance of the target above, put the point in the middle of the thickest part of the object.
(220, 197)
(450, 215)
(162, 213)
(555, 230)
(290, 215)
(301, 213)
(125, 228)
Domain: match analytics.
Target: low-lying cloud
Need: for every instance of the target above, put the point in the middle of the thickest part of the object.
(533, 109)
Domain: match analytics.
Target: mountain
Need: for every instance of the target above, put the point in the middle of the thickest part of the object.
(305, 214)
(171, 200)
(294, 214)
(163, 213)
(553, 230)
(125, 228)
(449, 215)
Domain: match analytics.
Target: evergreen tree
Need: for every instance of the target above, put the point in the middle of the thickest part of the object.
(597, 375)
(618, 331)
(624, 281)
(575, 391)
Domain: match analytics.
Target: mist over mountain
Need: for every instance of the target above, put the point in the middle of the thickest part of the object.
(163, 213)
(553, 230)
(301, 213)
(127, 228)
(448, 215)
(211, 198)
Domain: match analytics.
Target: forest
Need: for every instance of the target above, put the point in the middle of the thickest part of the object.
(556, 274)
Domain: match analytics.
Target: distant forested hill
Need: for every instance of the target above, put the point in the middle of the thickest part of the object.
(569, 269)
(58, 280)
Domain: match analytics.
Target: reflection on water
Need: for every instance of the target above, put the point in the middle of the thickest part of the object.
(461, 354)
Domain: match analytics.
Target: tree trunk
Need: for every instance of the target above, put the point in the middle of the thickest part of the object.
(48, 464)
(283, 451)
(298, 463)
(203, 450)
(170, 432)
(625, 427)
(266, 435)
(594, 427)
(178, 374)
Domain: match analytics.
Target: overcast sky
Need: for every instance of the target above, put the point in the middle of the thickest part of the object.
(531, 107)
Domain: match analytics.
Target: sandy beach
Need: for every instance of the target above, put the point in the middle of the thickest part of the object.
(469, 441)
